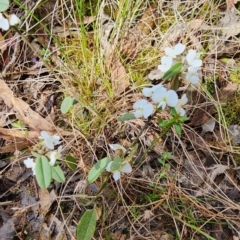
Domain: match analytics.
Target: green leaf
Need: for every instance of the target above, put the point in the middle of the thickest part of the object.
(4, 5)
(117, 164)
(43, 172)
(173, 71)
(57, 174)
(17, 124)
(173, 111)
(125, 117)
(167, 123)
(87, 225)
(66, 104)
(178, 129)
(71, 162)
(97, 169)
(183, 119)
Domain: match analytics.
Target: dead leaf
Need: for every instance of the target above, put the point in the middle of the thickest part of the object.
(230, 23)
(59, 228)
(208, 126)
(23, 110)
(201, 116)
(147, 215)
(155, 75)
(227, 91)
(209, 186)
(26, 114)
(46, 200)
(234, 132)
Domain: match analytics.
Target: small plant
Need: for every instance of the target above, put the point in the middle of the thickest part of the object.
(171, 66)
(45, 165)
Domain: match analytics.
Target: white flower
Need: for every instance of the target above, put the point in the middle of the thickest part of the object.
(193, 58)
(143, 108)
(166, 63)
(180, 104)
(49, 141)
(54, 155)
(13, 19)
(148, 92)
(4, 24)
(29, 163)
(192, 75)
(165, 97)
(127, 168)
(176, 50)
(116, 147)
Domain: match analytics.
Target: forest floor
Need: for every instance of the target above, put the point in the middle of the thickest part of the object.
(101, 54)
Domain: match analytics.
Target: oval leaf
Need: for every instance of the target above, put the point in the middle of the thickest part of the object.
(4, 5)
(125, 117)
(173, 71)
(66, 104)
(87, 225)
(97, 169)
(57, 174)
(71, 162)
(117, 164)
(43, 172)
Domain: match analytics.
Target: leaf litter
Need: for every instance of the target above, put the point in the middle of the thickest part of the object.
(202, 159)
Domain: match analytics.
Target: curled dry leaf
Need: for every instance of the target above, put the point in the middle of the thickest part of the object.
(26, 115)
(23, 110)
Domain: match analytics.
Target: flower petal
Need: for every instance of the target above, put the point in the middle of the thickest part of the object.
(184, 99)
(147, 92)
(190, 56)
(148, 110)
(108, 168)
(179, 48)
(159, 94)
(127, 168)
(169, 51)
(162, 104)
(116, 175)
(171, 98)
(139, 103)
(13, 20)
(196, 63)
(138, 114)
(116, 146)
(4, 24)
(192, 77)
(29, 163)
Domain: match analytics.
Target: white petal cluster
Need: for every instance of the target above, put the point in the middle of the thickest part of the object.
(180, 104)
(175, 51)
(142, 108)
(48, 140)
(5, 23)
(116, 147)
(29, 163)
(161, 96)
(54, 155)
(126, 168)
(194, 64)
(165, 97)
(192, 59)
